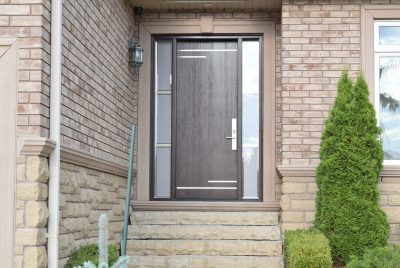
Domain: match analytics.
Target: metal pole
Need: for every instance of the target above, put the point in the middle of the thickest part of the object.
(128, 192)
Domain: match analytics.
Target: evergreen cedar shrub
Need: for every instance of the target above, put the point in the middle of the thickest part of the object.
(351, 154)
(91, 253)
(306, 249)
(384, 257)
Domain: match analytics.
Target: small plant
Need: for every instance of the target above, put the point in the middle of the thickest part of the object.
(91, 253)
(306, 249)
(383, 257)
(348, 211)
(103, 260)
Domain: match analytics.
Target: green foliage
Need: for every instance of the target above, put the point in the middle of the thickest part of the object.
(383, 257)
(91, 253)
(306, 249)
(351, 154)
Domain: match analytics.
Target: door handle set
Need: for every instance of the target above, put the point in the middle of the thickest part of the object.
(233, 136)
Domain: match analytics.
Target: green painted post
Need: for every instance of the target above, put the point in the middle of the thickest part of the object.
(128, 192)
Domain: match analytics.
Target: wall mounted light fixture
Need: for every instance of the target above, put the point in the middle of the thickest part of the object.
(135, 53)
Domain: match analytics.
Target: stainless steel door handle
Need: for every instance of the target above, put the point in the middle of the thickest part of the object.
(234, 134)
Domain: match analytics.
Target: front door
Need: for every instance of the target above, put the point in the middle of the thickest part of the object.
(206, 114)
(206, 120)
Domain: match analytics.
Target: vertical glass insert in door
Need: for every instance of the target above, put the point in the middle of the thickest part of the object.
(162, 118)
(251, 119)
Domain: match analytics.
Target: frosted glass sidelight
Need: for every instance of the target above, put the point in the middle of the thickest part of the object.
(162, 187)
(250, 118)
(163, 65)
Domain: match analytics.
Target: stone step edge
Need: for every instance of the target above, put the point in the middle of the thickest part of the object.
(205, 247)
(202, 261)
(205, 218)
(202, 232)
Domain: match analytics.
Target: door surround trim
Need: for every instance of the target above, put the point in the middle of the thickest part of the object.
(197, 27)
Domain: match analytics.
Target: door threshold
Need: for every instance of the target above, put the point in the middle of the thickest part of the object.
(205, 206)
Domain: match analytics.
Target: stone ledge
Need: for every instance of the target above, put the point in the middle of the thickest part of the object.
(309, 171)
(37, 146)
(141, 205)
(84, 159)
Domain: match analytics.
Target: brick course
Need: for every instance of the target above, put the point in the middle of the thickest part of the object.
(99, 89)
(319, 39)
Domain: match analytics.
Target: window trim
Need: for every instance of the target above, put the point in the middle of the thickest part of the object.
(369, 15)
(207, 25)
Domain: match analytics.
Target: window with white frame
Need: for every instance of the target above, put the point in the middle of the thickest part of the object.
(387, 86)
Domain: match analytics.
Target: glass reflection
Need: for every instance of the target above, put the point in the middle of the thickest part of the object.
(389, 91)
(389, 35)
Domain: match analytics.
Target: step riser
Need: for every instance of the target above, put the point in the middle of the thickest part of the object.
(211, 232)
(205, 262)
(209, 247)
(204, 218)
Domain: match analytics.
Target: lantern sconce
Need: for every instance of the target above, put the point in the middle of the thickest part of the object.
(135, 53)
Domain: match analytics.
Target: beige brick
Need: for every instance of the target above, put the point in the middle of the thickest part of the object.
(32, 191)
(36, 214)
(30, 237)
(292, 216)
(14, 9)
(302, 205)
(35, 257)
(294, 187)
(26, 21)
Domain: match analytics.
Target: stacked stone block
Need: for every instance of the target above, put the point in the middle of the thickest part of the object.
(85, 194)
(31, 212)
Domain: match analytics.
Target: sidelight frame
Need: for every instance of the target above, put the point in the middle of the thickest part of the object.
(174, 39)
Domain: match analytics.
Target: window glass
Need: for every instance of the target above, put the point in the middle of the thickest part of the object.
(389, 101)
(389, 35)
(163, 65)
(250, 118)
(163, 173)
(162, 119)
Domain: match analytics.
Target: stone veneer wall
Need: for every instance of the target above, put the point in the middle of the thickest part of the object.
(319, 38)
(85, 194)
(298, 201)
(26, 23)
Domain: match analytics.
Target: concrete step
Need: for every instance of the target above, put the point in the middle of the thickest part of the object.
(197, 261)
(205, 232)
(204, 247)
(204, 218)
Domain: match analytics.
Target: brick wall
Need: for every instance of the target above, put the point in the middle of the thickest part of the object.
(99, 94)
(27, 24)
(318, 41)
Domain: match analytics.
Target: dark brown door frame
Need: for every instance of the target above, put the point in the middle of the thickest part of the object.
(174, 39)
